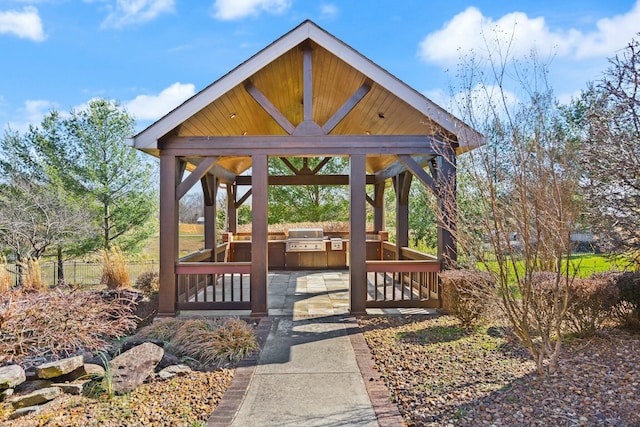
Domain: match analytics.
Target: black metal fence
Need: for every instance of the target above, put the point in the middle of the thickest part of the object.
(83, 273)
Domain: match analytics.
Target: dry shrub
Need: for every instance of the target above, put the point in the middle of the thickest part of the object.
(5, 277)
(40, 326)
(214, 342)
(148, 282)
(467, 294)
(627, 311)
(31, 275)
(115, 274)
(590, 304)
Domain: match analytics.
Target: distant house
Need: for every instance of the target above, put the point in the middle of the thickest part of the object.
(200, 220)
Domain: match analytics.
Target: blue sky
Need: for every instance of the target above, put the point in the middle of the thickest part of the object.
(150, 55)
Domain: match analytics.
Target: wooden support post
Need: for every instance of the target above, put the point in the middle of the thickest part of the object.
(169, 179)
(402, 184)
(357, 239)
(232, 212)
(209, 189)
(259, 244)
(448, 208)
(379, 218)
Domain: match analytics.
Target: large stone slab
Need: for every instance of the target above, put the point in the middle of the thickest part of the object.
(132, 367)
(58, 368)
(38, 397)
(11, 376)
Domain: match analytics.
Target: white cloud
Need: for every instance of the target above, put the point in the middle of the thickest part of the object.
(228, 10)
(152, 107)
(30, 114)
(328, 11)
(25, 24)
(516, 33)
(128, 12)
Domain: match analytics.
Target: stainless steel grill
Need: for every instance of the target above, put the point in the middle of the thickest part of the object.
(305, 240)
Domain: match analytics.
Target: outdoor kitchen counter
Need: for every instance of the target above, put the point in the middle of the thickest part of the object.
(279, 258)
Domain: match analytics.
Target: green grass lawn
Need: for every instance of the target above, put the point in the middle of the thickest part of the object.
(583, 265)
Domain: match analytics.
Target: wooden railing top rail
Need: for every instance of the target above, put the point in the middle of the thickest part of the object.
(213, 267)
(404, 266)
(415, 254)
(197, 256)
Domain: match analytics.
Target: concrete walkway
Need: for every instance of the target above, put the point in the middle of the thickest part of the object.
(315, 368)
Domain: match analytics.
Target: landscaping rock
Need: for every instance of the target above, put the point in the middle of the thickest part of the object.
(5, 393)
(36, 398)
(168, 359)
(129, 344)
(173, 370)
(21, 412)
(59, 367)
(11, 376)
(86, 371)
(72, 388)
(33, 385)
(132, 367)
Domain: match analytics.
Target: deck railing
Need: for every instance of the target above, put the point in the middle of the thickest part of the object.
(203, 284)
(411, 281)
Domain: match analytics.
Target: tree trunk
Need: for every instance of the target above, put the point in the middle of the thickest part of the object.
(60, 267)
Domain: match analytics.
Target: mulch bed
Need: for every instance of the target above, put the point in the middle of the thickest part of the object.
(440, 374)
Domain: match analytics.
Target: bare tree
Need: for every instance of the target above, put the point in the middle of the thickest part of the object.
(523, 185)
(609, 113)
(35, 218)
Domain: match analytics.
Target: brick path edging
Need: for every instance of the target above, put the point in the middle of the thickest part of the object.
(386, 411)
(228, 407)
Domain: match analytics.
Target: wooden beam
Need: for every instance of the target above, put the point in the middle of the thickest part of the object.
(379, 218)
(243, 199)
(418, 172)
(307, 84)
(290, 165)
(357, 235)
(232, 212)
(397, 167)
(271, 109)
(169, 175)
(195, 176)
(318, 146)
(447, 207)
(402, 184)
(346, 108)
(259, 237)
(304, 180)
(223, 174)
(209, 187)
(321, 165)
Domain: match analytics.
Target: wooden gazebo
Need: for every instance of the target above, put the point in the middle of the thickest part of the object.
(307, 94)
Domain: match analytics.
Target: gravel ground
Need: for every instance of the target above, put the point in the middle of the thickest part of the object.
(180, 401)
(440, 374)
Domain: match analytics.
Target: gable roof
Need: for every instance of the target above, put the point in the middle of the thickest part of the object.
(225, 108)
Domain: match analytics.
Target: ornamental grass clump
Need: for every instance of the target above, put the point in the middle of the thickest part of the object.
(215, 342)
(115, 274)
(31, 275)
(5, 277)
(163, 329)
